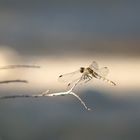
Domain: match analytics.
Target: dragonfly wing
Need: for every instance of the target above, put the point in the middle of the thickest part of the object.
(94, 66)
(75, 81)
(69, 77)
(103, 71)
(80, 81)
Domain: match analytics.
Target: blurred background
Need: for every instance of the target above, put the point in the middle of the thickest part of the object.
(61, 36)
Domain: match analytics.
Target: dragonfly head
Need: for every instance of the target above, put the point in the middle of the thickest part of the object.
(82, 69)
(60, 75)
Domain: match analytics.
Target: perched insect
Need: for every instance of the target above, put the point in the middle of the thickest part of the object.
(86, 74)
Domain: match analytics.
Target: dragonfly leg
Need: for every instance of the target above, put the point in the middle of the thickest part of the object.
(85, 77)
(71, 83)
(88, 78)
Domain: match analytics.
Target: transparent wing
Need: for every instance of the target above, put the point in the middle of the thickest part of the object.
(81, 81)
(69, 77)
(70, 84)
(103, 71)
(94, 66)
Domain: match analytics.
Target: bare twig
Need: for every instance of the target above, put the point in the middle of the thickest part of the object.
(82, 102)
(46, 93)
(18, 66)
(15, 96)
(69, 92)
(13, 81)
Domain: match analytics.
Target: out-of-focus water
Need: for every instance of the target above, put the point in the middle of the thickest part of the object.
(60, 27)
(65, 118)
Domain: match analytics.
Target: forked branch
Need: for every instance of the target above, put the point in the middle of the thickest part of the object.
(46, 93)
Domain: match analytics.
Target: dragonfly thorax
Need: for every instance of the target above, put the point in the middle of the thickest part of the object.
(86, 70)
(89, 70)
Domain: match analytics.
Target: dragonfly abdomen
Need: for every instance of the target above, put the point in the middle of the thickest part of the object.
(98, 76)
(107, 80)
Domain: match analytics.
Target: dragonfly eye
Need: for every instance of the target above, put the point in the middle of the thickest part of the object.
(82, 69)
(60, 75)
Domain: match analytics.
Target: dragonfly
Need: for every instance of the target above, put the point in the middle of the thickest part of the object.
(86, 74)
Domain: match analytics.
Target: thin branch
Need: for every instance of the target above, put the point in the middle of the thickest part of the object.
(69, 92)
(13, 81)
(60, 93)
(82, 102)
(15, 96)
(18, 66)
(46, 93)
(63, 94)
